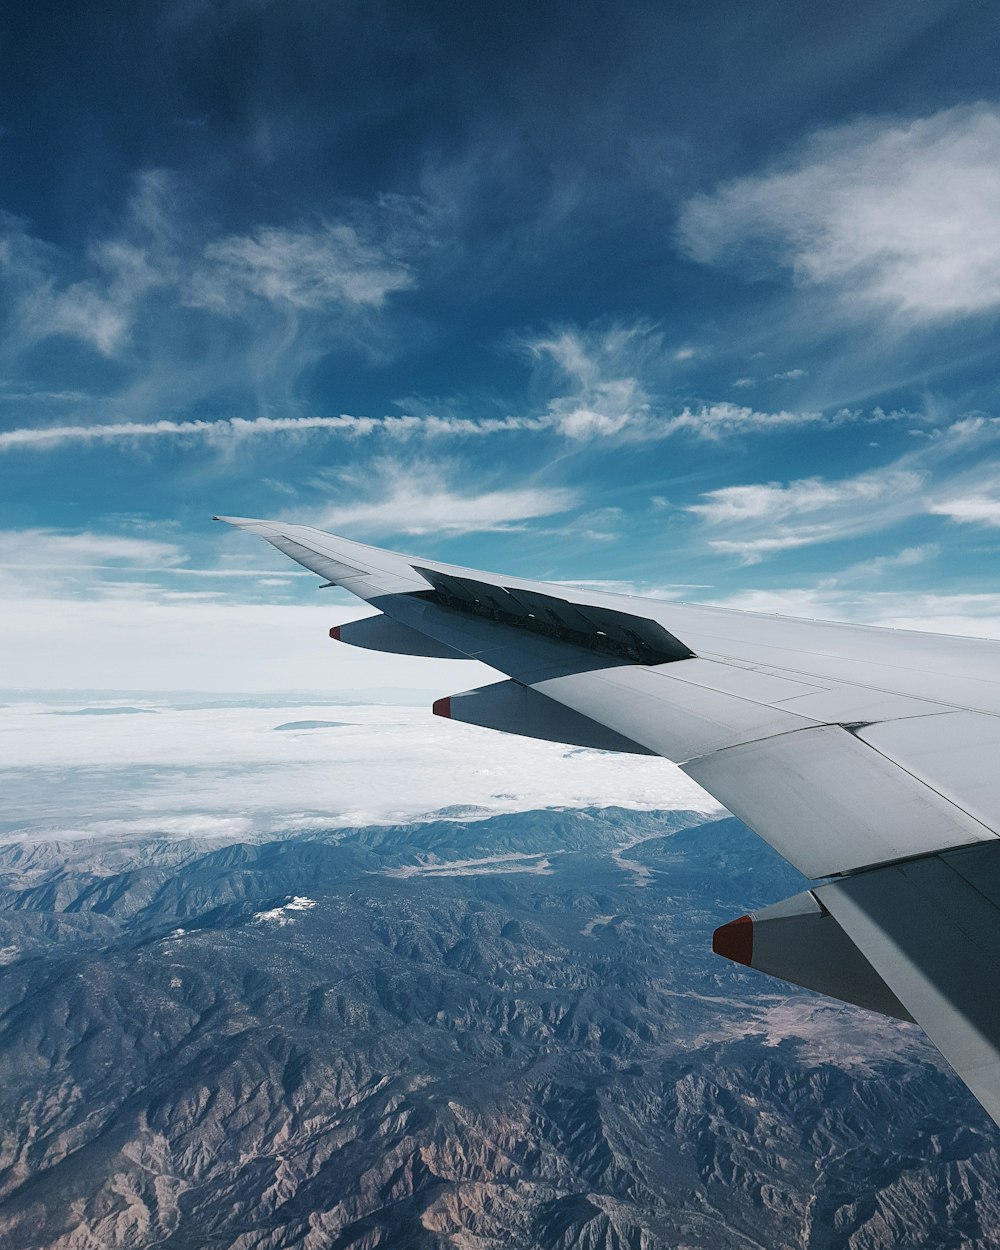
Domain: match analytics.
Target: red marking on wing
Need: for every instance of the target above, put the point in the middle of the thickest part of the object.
(442, 707)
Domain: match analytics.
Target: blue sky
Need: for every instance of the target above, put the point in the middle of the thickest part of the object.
(698, 299)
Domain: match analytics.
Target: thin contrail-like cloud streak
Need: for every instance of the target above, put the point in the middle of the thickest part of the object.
(46, 438)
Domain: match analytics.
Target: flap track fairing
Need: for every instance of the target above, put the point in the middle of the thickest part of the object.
(799, 941)
(516, 709)
(382, 633)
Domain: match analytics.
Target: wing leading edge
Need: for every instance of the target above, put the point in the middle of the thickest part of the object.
(864, 756)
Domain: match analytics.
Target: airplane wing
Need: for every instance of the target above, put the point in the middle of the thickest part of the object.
(869, 758)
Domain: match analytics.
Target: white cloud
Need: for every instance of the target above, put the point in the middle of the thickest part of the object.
(907, 558)
(902, 213)
(224, 773)
(330, 264)
(837, 598)
(73, 566)
(232, 428)
(970, 615)
(714, 421)
(601, 525)
(710, 421)
(100, 309)
(973, 509)
(773, 501)
(417, 499)
(41, 548)
(603, 382)
(229, 430)
(753, 550)
(604, 394)
(766, 518)
(950, 474)
(707, 421)
(131, 641)
(158, 264)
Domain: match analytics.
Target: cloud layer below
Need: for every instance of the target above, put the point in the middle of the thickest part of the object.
(225, 772)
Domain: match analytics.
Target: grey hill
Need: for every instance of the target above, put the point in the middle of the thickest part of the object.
(506, 1032)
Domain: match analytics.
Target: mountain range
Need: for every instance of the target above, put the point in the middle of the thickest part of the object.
(462, 1032)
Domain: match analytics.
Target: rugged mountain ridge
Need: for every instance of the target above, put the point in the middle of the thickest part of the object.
(502, 1032)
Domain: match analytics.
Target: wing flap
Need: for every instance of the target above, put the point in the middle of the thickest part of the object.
(842, 704)
(673, 717)
(829, 804)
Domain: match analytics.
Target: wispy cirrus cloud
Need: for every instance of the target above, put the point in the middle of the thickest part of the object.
(408, 498)
(92, 565)
(973, 509)
(757, 521)
(775, 502)
(901, 213)
(124, 269)
(952, 475)
(609, 384)
(605, 394)
(34, 548)
(607, 380)
(188, 317)
(974, 615)
(73, 563)
(865, 592)
(329, 264)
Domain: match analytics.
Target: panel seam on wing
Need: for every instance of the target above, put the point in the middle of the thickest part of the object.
(934, 790)
(785, 733)
(838, 683)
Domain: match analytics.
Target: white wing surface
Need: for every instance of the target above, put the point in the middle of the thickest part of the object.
(866, 756)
